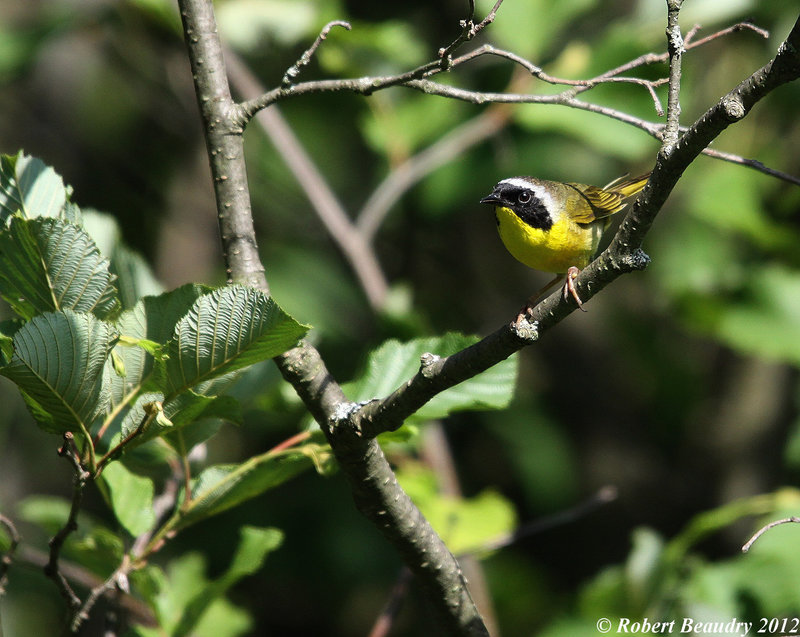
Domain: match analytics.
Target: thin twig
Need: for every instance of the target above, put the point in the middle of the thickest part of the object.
(385, 620)
(584, 85)
(749, 544)
(291, 441)
(117, 580)
(293, 71)
(604, 496)
(752, 163)
(139, 610)
(468, 31)
(741, 26)
(80, 478)
(8, 556)
(323, 200)
(415, 168)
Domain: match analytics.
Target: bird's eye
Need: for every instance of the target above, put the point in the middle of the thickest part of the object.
(524, 197)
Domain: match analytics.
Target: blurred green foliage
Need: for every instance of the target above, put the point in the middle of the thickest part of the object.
(679, 387)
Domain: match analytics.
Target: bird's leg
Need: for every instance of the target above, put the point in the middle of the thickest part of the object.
(528, 307)
(569, 287)
(568, 290)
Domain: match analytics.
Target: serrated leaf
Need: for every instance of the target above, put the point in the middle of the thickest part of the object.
(131, 498)
(225, 331)
(134, 277)
(59, 364)
(29, 187)
(48, 265)
(394, 362)
(221, 487)
(153, 318)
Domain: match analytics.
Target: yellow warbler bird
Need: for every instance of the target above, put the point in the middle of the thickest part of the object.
(556, 227)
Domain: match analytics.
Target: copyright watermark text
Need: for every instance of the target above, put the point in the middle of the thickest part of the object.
(689, 626)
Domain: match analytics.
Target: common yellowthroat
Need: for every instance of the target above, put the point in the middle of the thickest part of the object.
(554, 226)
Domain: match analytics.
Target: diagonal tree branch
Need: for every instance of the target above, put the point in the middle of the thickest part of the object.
(623, 255)
(353, 244)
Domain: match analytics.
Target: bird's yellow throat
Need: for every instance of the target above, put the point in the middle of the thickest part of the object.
(563, 245)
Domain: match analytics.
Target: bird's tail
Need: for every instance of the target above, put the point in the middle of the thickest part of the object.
(628, 186)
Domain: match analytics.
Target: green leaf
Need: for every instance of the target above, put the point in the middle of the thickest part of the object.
(225, 331)
(135, 278)
(465, 524)
(49, 264)
(97, 548)
(765, 319)
(131, 498)
(181, 414)
(196, 418)
(49, 512)
(30, 188)
(254, 546)
(153, 319)
(394, 362)
(171, 594)
(59, 364)
(93, 545)
(221, 487)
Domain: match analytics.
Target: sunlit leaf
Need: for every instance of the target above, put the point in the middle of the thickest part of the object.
(131, 498)
(59, 364)
(152, 318)
(221, 487)
(394, 362)
(170, 594)
(30, 187)
(465, 524)
(134, 277)
(254, 546)
(49, 264)
(225, 331)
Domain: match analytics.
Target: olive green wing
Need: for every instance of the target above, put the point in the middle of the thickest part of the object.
(599, 203)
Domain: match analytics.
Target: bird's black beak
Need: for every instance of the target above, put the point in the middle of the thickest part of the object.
(492, 199)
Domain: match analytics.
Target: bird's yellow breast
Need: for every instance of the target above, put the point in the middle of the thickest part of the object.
(563, 245)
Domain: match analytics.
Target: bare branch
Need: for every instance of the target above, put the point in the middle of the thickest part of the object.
(80, 478)
(468, 31)
(325, 203)
(383, 624)
(223, 135)
(415, 168)
(675, 49)
(752, 163)
(690, 43)
(8, 556)
(602, 497)
(623, 255)
(749, 544)
(293, 71)
(137, 609)
(117, 580)
(607, 77)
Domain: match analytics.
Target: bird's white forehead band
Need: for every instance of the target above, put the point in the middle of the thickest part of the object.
(519, 182)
